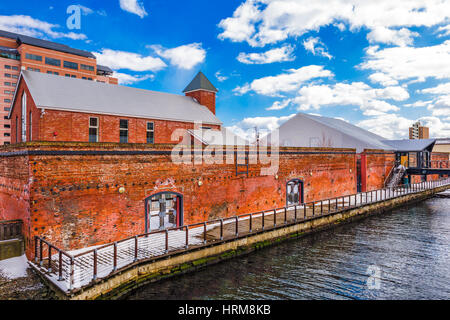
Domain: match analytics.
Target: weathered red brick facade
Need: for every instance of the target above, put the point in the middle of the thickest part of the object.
(71, 197)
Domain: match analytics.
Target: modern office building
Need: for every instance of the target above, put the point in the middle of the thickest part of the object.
(19, 52)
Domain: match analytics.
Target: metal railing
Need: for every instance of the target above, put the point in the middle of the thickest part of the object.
(10, 229)
(76, 270)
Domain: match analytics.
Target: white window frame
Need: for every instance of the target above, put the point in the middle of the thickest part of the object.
(94, 127)
(152, 130)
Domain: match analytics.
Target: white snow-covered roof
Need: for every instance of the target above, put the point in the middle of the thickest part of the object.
(218, 137)
(78, 95)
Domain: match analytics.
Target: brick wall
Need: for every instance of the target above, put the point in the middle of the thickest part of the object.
(378, 163)
(74, 200)
(205, 98)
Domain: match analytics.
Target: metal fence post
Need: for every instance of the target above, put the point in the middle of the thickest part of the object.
(115, 257)
(250, 223)
(49, 258)
(262, 220)
(35, 249)
(187, 237)
(135, 248)
(274, 218)
(95, 265)
(221, 229)
(40, 252)
(72, 273)
(237, 226)
(60, 266)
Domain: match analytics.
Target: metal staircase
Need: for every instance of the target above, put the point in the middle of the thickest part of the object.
(395, 176)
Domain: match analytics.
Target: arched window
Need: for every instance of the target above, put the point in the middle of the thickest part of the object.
(294, 192)
(163, 210)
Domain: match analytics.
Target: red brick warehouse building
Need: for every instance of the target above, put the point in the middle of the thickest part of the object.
(78, 193)
(20, 52)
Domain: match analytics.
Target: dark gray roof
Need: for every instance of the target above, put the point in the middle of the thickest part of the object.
(45, 44)
(77, 95)
(411, 145)
(8, 50)
(200, 82)
(104, 69)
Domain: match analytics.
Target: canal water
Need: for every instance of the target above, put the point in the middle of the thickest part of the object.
(403, 254)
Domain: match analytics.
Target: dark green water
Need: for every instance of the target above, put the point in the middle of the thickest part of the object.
(410, 247)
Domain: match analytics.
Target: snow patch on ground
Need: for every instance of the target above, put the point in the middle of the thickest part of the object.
(14, 268)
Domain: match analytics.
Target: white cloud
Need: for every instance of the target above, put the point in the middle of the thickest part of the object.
(390, 126)
(246, 127)
(240, 27)
(401, 37)
(382, 79)
(444, 31)
(369, 100)
(316, 47)
(393, 126)
(85, 10)
(274, 55)
(35, 28)
(184, 57)
(220, 77)
(260, 22)
(116, 60)
(289, 81)
(133, 6)
(443, 88)
(125, 79)
(279, 105)
(418, 104)
(438, 128)
(416, 63)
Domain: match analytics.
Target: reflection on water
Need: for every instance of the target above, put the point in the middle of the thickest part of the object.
(410, 246)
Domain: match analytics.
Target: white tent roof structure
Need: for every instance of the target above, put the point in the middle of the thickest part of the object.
(306, 130)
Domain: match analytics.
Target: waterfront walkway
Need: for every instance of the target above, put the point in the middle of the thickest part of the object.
(76, 269)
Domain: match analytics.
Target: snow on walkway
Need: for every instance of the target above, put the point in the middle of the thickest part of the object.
(154, 245)
(14, 268)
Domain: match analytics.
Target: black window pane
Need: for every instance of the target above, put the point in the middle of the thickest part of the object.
(149, 125)
(33, 57)
(87, 67)
(71, 65)
(92, 135)
(150, 138)
(123, 136)
(52, 62)
(93, 122)
(124, 124)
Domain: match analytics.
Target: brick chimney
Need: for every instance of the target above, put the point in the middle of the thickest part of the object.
(203, 91)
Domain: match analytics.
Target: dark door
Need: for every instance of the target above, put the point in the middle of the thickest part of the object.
(358, 175)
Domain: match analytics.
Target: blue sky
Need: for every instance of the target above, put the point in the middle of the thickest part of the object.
(381, 64)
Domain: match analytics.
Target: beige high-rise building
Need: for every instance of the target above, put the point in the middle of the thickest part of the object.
(417, 131)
